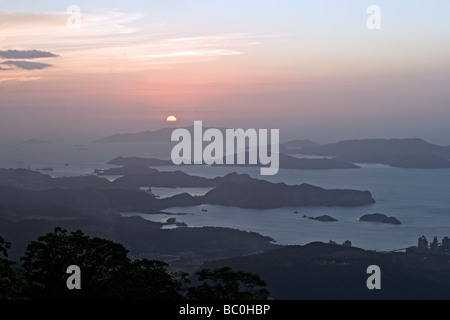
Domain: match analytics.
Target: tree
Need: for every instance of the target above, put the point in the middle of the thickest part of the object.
(445, 246)
(226, 284)
(106, 271)
(4, 246)
(12, 283)
(47, 259)
(149, 279)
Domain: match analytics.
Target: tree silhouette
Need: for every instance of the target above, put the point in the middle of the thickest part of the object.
(46, 261)
(106, 271)
(4, 246)
(12, 283)
(149, 279)
(445, 246)
(227, 284)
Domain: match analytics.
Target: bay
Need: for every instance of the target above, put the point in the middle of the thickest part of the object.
(419, 198)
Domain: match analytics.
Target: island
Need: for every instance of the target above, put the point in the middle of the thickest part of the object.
(137, 169)
(137, 161)
(20, 187)
(173, 221)
(297, 143)
(261, 194)
(378, 217)
(286, 162)
(290, 162)
(401, 153)
(324, 218)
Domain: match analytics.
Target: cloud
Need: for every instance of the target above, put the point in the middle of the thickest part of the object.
(25, 54)
(115, 41)
(20, 79)
(202, 53)
(26, 65)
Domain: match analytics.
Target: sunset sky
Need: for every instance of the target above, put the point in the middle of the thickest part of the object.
(310, 68)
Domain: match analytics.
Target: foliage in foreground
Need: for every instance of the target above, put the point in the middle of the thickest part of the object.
(226, 284)
(108, 273)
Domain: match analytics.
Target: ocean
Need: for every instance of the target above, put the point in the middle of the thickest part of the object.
(419, 198)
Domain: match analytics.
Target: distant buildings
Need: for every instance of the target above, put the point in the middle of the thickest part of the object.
(423, 246)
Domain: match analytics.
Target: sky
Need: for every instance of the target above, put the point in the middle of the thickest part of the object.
(313, 69)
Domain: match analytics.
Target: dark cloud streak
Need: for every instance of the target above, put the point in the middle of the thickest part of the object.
(26, 65)
(25, 54)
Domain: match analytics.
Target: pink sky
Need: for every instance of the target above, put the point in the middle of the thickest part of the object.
(125, 72)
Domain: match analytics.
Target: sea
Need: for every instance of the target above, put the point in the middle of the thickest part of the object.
(419, 198)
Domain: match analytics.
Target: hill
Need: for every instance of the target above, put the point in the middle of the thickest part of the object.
(320, 271)
(286, 162)
(404, 153)
(184, 248)
(261, 194)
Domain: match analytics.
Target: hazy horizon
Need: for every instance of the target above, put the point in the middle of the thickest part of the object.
(311, 69)
(284, 137)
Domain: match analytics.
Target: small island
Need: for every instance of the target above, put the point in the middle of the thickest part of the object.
(173, 221)
(324, 218)
(378, 217)
(132, 169)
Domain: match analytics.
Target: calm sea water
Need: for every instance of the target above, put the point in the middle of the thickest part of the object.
(419, 198)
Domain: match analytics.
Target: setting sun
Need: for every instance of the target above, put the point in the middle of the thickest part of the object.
(171, 119)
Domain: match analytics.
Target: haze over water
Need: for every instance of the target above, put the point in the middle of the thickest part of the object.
(417, 197)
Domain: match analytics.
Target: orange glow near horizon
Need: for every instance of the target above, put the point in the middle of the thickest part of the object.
(171, 119)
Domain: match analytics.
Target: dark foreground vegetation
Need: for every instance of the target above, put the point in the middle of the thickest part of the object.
(106, 272)
(315, 271)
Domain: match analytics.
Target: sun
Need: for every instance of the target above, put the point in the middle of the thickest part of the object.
(171, 119)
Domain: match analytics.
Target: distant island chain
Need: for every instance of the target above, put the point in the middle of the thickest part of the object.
(213, 153)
